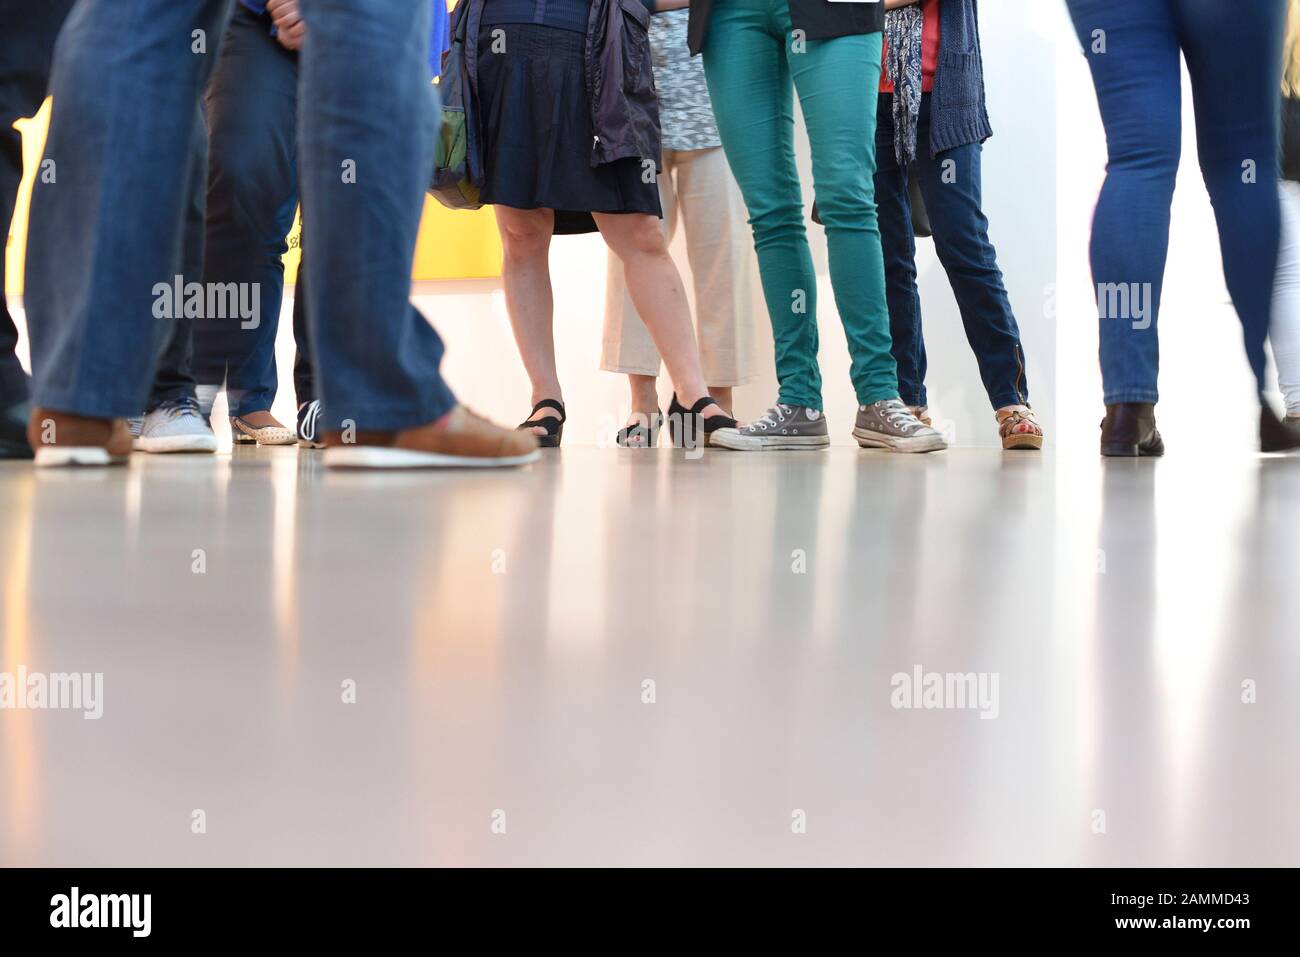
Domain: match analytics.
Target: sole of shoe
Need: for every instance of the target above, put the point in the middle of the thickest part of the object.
(1014, 442)
(276, 437)
(735, 442)
(309, 444)
(1124, 450)
(68, 456)
(874, 440)
(177, 443)
(377, 457)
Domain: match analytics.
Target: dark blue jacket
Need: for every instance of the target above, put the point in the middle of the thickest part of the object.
(958, 115)
(438, 42)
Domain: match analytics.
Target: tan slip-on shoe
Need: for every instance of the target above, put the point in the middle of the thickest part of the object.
(243, 432)
(460, 439)
(61, 439)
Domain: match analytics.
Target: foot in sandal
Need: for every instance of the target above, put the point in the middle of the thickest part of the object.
(1018, 428)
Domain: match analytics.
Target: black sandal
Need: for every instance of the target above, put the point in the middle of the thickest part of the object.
(554, 427)
(689, 429)
(646, 430)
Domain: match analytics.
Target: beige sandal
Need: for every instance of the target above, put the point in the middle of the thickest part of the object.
(1019, 428)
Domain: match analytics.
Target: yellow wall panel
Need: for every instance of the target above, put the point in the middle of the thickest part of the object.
(453, 244)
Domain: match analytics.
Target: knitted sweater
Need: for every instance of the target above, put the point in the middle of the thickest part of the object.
(957, 112)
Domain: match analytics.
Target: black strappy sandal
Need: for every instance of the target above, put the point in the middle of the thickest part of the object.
(646, 431)
(689, 429)
(554, 427)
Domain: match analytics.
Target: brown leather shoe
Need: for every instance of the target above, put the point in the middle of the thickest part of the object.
(459, 439)
(61, 438)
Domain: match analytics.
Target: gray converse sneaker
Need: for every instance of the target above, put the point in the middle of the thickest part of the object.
(780, 427)
(176, 426)
(888, 424)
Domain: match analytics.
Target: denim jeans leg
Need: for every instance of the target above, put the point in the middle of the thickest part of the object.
(26, 46)
(107, 229)
(304, 378)
(899, 246)
(252, 116)
(367, 122)
(175, 376)
(951, 184)
(1138, 77)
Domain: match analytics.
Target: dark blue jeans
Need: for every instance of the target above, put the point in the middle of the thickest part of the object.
(126, 95)
(950, 185)
(252, 109)
(174, 377)
(26, 45)
(1233, 53)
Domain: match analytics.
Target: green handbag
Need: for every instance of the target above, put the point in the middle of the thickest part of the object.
(454, 159)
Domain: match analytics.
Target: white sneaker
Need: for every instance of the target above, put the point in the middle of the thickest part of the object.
(176, 426)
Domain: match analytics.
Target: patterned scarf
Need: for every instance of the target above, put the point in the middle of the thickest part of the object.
(903, 37)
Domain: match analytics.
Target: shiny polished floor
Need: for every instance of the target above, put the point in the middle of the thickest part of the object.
(1142, 620)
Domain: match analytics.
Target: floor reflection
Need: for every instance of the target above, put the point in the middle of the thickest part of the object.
(630, 657)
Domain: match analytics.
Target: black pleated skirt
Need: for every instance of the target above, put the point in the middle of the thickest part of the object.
(537, 135)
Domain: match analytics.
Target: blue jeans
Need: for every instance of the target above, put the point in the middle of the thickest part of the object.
(950, 185)
(111, 229)
(26, 44)
(174, 377)
(1233, 54)
(252, 110)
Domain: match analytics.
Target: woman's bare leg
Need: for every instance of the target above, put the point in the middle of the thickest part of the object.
(526, 276)
(660, 299)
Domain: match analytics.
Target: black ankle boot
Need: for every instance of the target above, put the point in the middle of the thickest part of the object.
(1129, 429)
(1274, 434)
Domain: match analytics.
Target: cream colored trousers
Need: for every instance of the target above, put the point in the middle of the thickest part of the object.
(696, 187)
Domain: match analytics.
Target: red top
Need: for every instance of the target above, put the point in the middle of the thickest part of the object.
(929, 49)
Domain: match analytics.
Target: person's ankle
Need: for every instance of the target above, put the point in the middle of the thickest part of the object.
(554, 394)
(723, 395)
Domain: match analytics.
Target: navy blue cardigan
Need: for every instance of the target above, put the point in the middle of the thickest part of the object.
(958, 115)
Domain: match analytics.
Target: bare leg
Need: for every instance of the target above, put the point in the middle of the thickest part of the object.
(526, 276)
(656, 290)
(723, 394)
(645, 393)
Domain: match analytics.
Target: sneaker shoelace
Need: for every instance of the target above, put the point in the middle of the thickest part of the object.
(183, 405)
(772, 417)
(899, 416)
